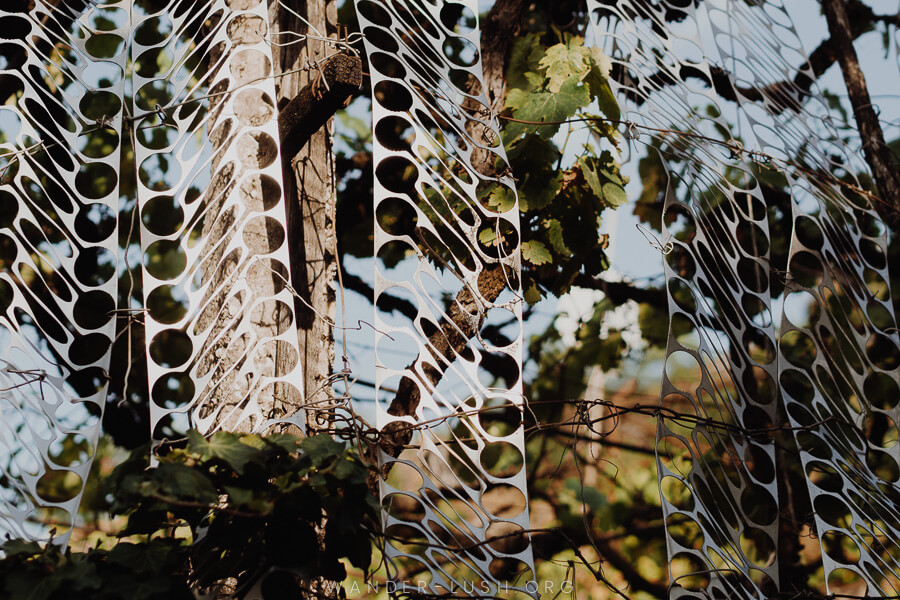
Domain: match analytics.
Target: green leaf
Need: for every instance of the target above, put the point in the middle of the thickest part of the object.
(604, 180)
(147, 519)
(254, 441)
(608, 351)
(566, 61)
(654, 323)
(153, 558)
(537, 192)
(502, 198)
(78, 573)
(223, 445)
(350, 472)
(25, 585)
(613, 515)
(16, 546)
(592, 176)
(535, 80)
(239, 496)
(524, 59)
(184, 482)
(586, 494)
(543, 106)
(321, 448)
(532, 294)
(607, 101)
(487, 237)
(534, 160)
(536, 252)
(358, 126)
(288, 443)
(598, 82)
(555, 235)
(614, 194)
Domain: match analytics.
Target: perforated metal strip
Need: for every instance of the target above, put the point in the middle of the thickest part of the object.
(718, 486)
(717, 482)
(839, 379)
(59, 181)
(437, 159)
(838, 359)
(220, 322)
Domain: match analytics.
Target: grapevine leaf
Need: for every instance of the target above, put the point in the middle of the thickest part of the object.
(523, 61)
(502, 199)
(566, 61)
(487, 237)
(17, 547)
(602, 63)
(184, 482)
(239, 496)
(586, 494)
(533, 160)
(547, 106)
(537, 192)
(76, 573)
(536, 252)
(607, 101)
(654, 324)
(654, 178)
(604, 179)
(321, 448)
(350, 472)
(592, 176)
(597, 80)
(284, 441)
(555, 235)
(614, 194)
(534, 80)
(608, 351)
(223, 445)
(532, 294)
(28, 586)
(154, 558)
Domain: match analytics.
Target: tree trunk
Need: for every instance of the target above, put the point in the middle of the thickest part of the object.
(875, 150)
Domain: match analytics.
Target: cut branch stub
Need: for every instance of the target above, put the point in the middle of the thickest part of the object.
(335, 83)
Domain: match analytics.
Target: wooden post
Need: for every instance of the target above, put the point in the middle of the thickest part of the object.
(310, 201)
(307, 98)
